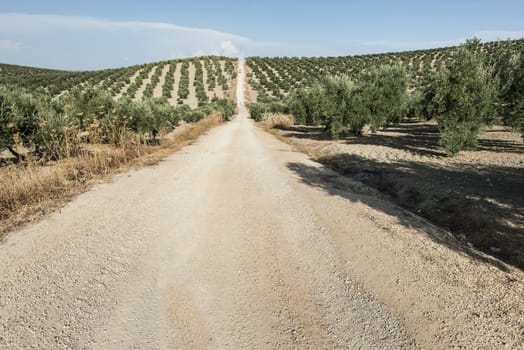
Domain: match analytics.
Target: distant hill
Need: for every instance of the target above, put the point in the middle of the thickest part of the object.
(277, 76)
(183, 81)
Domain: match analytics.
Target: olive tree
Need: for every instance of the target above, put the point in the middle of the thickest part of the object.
(508, 65)
(464, 97)
(307, 105)
(386, 94)
(338, 94)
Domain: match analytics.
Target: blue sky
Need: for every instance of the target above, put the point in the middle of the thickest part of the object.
(97, 34)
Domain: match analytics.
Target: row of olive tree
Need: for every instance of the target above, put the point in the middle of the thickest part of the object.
(50, 128)
(377, 99)
(463, 99)
(507, 73)
(475, 89)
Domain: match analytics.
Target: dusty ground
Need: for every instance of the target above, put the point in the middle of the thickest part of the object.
(191, 100)
(251, 95)
(157, 91)
(478, 195)
(131, 81)
(174, 93)
(217, 91)
(239, 242)
(140, 92)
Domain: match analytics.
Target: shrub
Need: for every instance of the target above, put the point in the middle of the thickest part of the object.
(183, 87)
(511, 91)
(415, 105)
(151, 117)
(258, 109)
(337, 103)
(86, 106)
(464, 98)
(57, 137)
(307, 105)
(277, 120)
(360, 111)
(48, 128)
(19, 117)
(225, 107)
(379, 99)
(386, 93)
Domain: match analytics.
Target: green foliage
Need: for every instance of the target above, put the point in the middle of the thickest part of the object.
(337, 103)
(54, 128)
(50, 80)
(415, 105)
(167, 88)
(183, 86)
(508, 75)
(385, 92)
(19, 120)
(142, 75)
(307, 105)
(257, 110)
(144, 122)
(155, 79)
(281, 75)
(198, 83)
(226, 109)
(428, 105)
(341, 104)
(32, 121)
(359, 113)
(464, 96)
(60, 110)
(456, 88)
(57, 136)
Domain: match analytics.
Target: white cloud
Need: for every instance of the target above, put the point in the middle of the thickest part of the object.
(86, 43)
(9, 45)
(200, 53)
(492, 35)
(228, 48)
(70, 42)
(401, 45)
(415, 44)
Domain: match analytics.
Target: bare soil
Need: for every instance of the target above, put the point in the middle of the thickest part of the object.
(174, 93)
(157, 91)
(140, 92)
(191, 100)
(478, 195)
(131, 81)
(251, 95)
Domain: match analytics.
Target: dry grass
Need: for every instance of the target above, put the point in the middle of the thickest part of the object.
(30, 190)
(297, 147)
(277, 120)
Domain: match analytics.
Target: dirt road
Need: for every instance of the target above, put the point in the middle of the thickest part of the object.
(238, 242)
